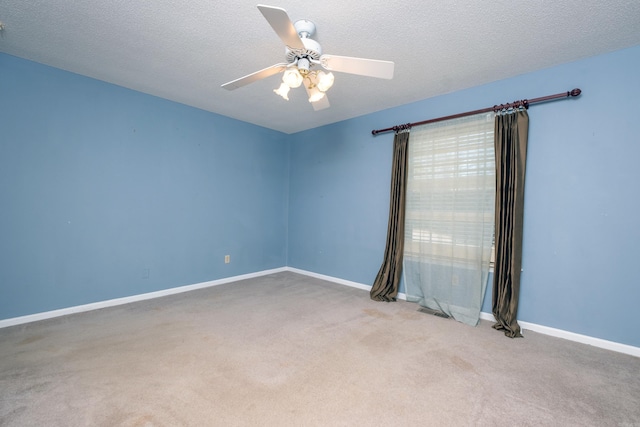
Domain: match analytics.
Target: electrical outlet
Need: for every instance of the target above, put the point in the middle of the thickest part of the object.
(227, 259)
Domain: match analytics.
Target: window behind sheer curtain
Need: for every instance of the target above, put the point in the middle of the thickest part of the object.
(450, 215)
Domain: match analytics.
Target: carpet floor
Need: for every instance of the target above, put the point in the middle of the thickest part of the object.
(291, 350)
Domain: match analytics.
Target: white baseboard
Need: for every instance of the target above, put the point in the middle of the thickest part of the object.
(559, 333)
(337, 280)
(134, 298)
(571, 336)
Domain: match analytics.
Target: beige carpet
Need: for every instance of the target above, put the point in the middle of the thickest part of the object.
(289, 350)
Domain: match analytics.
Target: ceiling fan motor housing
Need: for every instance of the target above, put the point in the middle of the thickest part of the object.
(312, 49)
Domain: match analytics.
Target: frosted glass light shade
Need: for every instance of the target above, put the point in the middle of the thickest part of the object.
(292, 78)
(325, 81)
(315, 94)
(283, 91)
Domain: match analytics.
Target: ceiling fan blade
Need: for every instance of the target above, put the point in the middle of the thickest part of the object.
(360, 66)
(282, 25)
(254, 77)
(320, 104)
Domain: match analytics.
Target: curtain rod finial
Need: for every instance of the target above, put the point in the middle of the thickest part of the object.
(575, 92)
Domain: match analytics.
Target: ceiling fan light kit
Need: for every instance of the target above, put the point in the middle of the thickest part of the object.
(303, 54)
(317, 83)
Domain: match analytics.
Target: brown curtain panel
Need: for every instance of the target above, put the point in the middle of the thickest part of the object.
(385, 287)
(511, 132)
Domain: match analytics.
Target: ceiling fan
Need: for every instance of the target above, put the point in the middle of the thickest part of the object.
(306, 63)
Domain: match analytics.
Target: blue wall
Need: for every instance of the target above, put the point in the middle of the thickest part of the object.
(101, 186)
(581, 232)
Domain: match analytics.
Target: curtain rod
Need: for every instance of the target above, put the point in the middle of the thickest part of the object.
(516, 104)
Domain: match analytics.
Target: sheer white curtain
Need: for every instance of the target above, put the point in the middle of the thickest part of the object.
(450, 215)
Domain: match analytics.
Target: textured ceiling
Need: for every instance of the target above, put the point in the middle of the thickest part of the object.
(183, 50)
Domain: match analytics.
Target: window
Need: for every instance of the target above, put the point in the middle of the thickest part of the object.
(450, 189)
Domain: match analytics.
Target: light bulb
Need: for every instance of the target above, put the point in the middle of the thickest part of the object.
(325, 81)
(292, 78)
(283, 91)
